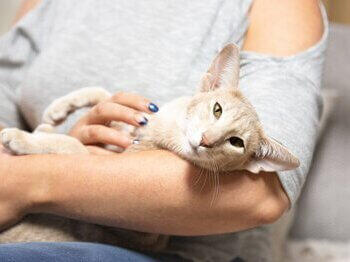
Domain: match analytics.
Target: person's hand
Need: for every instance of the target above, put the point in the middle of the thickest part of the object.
(130, 108)
(13, 200)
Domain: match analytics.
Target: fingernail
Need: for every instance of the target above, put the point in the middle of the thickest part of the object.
(153, 107)
(136, 142)
(144, 121)
(141, 120)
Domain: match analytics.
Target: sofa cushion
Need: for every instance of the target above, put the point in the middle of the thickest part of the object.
(324, 205)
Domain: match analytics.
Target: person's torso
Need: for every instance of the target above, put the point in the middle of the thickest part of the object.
(156, 48)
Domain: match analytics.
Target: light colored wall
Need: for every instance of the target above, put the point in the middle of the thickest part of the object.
(8, 10)
(338, 10)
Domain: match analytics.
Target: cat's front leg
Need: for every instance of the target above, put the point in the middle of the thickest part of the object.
(20, 142)
(60, 108)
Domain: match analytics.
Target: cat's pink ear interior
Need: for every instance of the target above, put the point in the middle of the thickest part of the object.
(224, 70)
(272, 157)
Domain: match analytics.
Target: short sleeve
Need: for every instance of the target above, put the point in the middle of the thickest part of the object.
(286, 92)
(18, 50)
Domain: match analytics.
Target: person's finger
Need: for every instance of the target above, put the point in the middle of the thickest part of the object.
(99, 134)
(105, 112)
(134, 101)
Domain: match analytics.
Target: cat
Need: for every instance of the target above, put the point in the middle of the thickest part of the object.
(216, 129)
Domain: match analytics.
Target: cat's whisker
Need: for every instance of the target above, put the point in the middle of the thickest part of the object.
(205, 180)
(198, 178)
(216, 188)
(211, 187)
(214, 174)
(217, 185)
(214, 162)
(213, 199)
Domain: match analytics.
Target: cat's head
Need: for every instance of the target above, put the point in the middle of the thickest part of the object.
(222, 129)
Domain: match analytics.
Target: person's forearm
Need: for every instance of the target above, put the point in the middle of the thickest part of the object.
(158, 194)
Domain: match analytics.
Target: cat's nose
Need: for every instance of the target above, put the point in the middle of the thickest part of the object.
(205, 142)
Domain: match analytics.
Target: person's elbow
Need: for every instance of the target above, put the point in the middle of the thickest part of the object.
(254, 214)
(270, 210)
(246, 201)
(264, 201)
(271, 201)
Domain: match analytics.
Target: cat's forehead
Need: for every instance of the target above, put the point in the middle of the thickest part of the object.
(237, 112)
(234, 101)
(226, 95)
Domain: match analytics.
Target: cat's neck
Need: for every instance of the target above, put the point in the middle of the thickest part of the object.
(175, 112)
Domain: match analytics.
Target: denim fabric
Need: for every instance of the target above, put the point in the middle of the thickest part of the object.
(74, 252)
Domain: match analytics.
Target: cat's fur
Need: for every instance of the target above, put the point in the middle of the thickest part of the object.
(187, 126)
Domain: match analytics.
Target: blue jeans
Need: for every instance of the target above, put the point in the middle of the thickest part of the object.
(74, 252)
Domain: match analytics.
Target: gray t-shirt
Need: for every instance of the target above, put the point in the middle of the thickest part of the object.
(159, 49)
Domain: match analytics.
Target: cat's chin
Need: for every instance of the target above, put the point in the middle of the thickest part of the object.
(205, 164)
(200, 158)
(190, 152)
(196, 155)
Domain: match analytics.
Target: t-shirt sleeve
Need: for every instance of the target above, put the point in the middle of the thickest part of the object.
(18, 50)
(286, 92)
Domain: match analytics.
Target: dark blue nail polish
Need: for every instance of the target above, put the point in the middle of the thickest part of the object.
(153, 107)
(144, 121)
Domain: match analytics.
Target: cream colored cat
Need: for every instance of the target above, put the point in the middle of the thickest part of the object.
(217, 129)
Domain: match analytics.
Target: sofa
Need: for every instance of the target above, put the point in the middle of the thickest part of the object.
(321, 230)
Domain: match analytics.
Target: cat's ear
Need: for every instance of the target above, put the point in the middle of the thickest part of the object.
(224, 70)
(271, 156)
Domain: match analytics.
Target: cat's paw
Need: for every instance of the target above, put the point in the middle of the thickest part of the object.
(46, 128)
(7, 135)
(56, 112)
(15, 141)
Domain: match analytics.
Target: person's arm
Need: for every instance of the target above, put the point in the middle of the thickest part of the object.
(283, 28)
(156, 195)
(284, 51)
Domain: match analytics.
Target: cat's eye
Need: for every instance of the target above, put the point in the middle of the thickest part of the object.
(236, 141)
(217, 110)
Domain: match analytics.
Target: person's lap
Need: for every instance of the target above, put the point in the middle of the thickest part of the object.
(73, 252)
